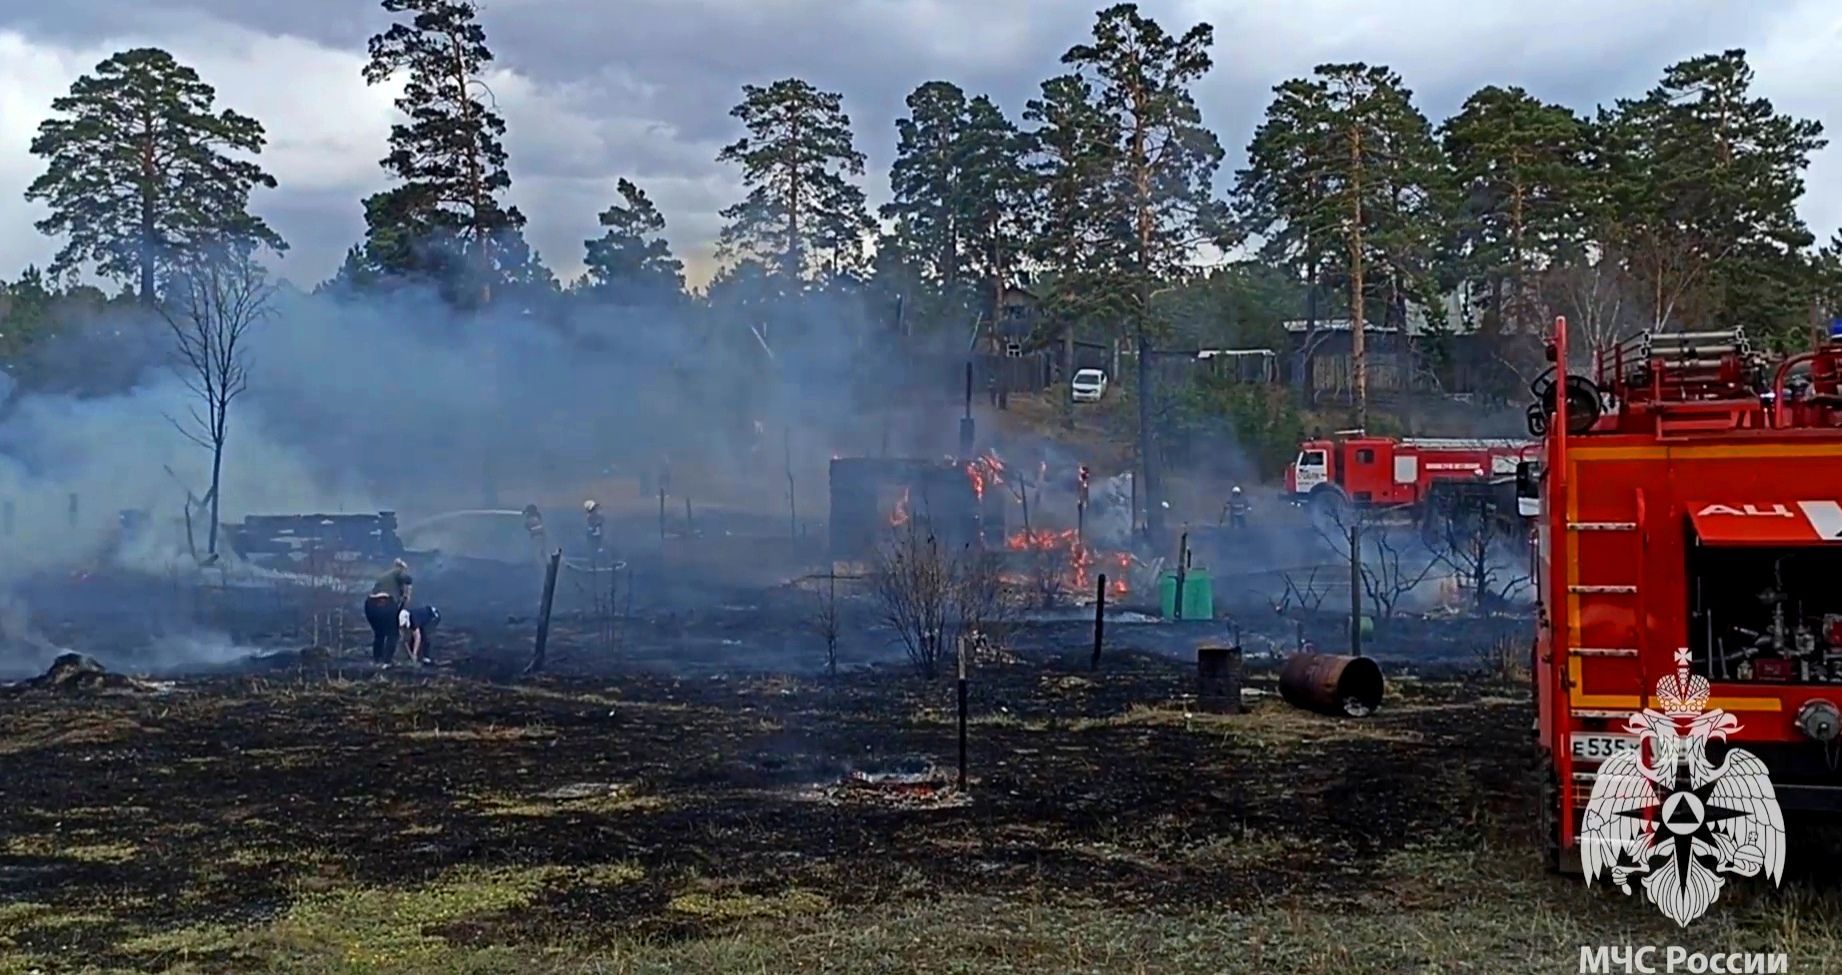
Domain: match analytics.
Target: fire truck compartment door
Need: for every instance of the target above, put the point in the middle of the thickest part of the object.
(1406, 468)
(1766, 523)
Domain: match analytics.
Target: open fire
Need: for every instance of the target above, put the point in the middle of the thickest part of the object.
(985, 471)
(1074, 560)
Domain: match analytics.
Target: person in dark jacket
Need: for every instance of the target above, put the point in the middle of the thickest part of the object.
(388, 597)
(422, 622)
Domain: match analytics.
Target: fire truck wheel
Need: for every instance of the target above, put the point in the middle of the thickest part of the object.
(1550, 816)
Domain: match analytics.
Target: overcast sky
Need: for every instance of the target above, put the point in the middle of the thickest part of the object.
(596, 90)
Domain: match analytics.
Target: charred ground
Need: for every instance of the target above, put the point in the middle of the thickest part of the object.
(333, 818)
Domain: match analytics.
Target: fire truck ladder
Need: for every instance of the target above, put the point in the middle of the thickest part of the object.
(1578, 657)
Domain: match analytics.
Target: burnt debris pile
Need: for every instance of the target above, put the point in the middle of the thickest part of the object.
(75, 673)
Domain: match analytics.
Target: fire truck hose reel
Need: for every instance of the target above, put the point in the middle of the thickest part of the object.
(1819, 720)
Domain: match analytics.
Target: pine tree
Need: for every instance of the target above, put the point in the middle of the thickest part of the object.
(925, 180)
(1526, 191)
(632, 262)
(1344, 170)
(996, 197)
(1704, 178)
(1158, 202)
(143, 172)
(801, 215)
(445, 217)
(1073, 161)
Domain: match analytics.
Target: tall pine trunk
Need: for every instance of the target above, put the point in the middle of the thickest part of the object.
(1359, 363)
(148, 203)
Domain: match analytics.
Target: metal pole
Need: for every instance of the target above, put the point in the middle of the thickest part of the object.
(543, 618)
(1099, 621)
(962, 714)
(1183, 566)
(1355, 590)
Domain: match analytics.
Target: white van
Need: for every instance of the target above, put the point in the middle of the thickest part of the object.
(1089, 385)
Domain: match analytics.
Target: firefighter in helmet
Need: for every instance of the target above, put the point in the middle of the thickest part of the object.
(1235, 511)
(534, 527)
(591, 511)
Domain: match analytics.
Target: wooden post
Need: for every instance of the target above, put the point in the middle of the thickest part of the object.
(1099, 621)
(73, 511)
(792, 510)
(688, 528)
(1183, 566)
(962, 713)
(543, 616)
(1355, 591)
(661, 519)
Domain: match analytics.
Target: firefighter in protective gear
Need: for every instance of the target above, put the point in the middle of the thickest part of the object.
(1236, 508)
(534, 527)
(592, 512)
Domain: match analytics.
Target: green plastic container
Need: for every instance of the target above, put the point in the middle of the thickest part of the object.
(1198, 595)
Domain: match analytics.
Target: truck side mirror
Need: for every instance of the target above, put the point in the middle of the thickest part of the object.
(1528, 489)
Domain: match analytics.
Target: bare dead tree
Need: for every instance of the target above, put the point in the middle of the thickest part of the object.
(1386, 572)
(930, 595)
(984, 603)
(1471, 544)
(210, 307)
(1309, 596)
(825, 620)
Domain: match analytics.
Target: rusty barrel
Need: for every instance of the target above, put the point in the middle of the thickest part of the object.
(1218, 680)
(1331, 684)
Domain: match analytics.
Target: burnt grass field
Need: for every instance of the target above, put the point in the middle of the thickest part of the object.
(617, 815)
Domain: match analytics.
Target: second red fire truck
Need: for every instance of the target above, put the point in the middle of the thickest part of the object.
(1413, 476)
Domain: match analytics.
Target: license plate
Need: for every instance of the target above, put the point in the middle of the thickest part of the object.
(1598, 748)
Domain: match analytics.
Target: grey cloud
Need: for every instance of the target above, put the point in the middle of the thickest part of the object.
(642, 88)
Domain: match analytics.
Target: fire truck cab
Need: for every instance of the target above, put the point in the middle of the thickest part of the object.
(1688, 508)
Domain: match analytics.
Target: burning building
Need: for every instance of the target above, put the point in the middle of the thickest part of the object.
(870, 496)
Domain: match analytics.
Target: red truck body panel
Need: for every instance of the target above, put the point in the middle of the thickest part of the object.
(1391, 471)
(1663, 531)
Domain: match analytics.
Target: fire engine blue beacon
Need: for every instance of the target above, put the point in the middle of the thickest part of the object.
(1835, 330)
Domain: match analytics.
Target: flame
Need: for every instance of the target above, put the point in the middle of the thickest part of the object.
(1081, 560)
(985, 471)
(899, 516)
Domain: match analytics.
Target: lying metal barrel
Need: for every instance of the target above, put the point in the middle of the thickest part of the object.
(1331, 684)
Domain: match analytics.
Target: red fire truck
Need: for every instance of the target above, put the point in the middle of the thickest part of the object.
(1689, 512)
(1415, 476)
